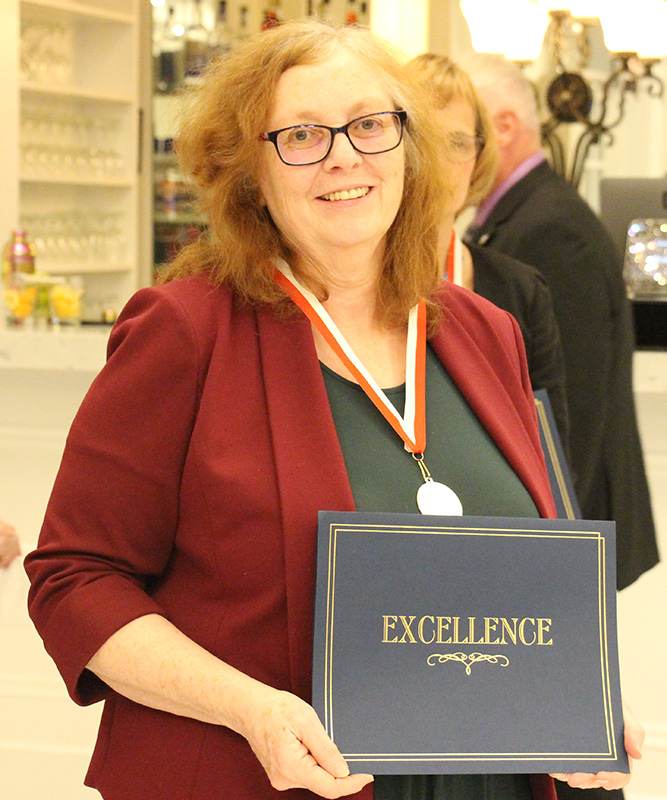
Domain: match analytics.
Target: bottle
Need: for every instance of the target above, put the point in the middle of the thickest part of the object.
(169, 69)
(18, 256)
(244, 29)
(197, 45)
(324, 12)
(271, 18)
(351, 15)
(221, 40)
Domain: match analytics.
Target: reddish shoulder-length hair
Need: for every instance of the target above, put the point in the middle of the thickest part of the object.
(219, 149)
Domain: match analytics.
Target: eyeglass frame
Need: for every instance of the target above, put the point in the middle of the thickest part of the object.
(272, 136)
(479, 140)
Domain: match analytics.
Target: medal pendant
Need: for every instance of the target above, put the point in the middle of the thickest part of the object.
(439, 500)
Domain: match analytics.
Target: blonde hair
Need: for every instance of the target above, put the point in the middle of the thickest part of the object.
(219, 148)
(445, 81)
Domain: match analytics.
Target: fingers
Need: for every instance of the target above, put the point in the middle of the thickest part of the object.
(290, 742)
(634, 734)
(600, 780)
(9, 544)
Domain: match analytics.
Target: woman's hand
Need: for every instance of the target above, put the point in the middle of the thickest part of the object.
(9, 544)
(634, 740)
(290, 742)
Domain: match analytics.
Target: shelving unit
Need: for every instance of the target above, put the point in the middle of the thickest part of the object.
(79, 142)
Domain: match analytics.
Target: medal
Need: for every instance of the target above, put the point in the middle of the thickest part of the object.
(432, 497)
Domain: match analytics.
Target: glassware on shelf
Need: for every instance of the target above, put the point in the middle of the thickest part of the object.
(72, 240)
(67, 144)
(46, 52)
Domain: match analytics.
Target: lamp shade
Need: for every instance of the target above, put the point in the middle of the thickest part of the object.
(633, 27)
(654, 39)
(514, 28)
(577, 8)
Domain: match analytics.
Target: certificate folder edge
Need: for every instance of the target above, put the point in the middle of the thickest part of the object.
(615, 758)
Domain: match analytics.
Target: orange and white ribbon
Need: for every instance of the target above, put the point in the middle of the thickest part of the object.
(411, 427)
(455, 259)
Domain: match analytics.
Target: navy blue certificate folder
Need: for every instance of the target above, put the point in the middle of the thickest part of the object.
(467, 644)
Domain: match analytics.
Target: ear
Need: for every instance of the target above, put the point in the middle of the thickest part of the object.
(505, 124)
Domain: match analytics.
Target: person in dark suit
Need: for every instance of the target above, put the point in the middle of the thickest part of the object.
(470, 158)
(534, 215)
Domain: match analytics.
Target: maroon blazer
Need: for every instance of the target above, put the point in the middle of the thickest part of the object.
(190, 486)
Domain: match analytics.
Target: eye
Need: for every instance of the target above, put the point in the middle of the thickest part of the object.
(460, 141)
(369, 126)
(303, 137)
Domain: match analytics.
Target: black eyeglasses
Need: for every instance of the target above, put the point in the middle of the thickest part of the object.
(301, 145)
(462, 147)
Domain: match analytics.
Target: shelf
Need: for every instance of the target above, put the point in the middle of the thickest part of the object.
(178, 219)
(80, 180)
(87, 10)
(84, 268)
(76, 93)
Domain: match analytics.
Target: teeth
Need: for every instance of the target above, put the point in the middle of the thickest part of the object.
(347, 194)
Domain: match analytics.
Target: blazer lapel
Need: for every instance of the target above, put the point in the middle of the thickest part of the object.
(309, 466)
(507, 205)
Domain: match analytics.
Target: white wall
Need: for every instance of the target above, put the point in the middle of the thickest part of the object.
(45, 740)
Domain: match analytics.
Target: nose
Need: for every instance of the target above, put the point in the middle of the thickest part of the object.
(342, 153)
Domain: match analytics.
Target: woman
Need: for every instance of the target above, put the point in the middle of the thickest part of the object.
(470, 158)
(174, 576)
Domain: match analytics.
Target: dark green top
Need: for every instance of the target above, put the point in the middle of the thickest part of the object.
(384, 477)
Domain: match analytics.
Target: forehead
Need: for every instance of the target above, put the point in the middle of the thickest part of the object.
(458, 114)
(332, 90)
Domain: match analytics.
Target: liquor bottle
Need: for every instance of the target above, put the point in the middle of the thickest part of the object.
(221, 40)
(18, 255)
(324, 11)
(197, 45)
(169, 68)
(271, 17)
(18, 258)
(244, 29)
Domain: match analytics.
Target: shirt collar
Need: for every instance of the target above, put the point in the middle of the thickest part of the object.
(487, 206)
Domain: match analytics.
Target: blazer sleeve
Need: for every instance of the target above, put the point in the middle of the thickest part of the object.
(111, 520)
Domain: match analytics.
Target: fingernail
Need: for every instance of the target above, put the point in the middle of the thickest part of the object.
(341, 771)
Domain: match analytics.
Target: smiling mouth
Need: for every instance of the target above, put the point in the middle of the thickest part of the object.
(347, 194)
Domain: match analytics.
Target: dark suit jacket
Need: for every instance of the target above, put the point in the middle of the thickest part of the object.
(190, 486)
(523, 291)
(543, 221)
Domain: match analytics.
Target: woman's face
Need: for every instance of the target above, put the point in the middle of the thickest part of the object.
(344, 205)
(454, 121)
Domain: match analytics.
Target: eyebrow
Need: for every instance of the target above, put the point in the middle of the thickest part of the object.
(307, 117)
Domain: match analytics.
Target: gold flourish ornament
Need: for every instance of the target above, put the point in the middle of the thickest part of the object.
(467, 659)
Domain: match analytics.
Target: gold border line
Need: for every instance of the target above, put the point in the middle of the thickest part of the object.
(555, 462)
(336, 528)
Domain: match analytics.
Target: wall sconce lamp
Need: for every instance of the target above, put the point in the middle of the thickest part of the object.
(634, 34)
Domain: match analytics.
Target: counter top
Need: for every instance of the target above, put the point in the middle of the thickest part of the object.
(80, 349)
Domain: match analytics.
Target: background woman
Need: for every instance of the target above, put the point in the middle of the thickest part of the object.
(470, 159)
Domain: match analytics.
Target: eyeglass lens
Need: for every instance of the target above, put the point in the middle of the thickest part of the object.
(462, 147)
(308, 144)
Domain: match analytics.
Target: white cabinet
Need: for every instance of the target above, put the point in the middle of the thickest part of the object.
(76, 154)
